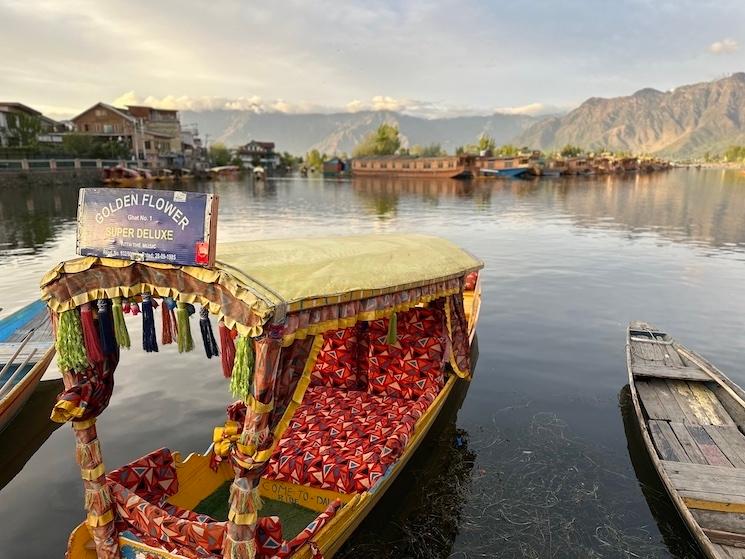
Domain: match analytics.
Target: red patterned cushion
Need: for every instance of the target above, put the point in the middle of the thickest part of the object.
(152, 477)
(413, 365)
(344, 440)
(336, 364)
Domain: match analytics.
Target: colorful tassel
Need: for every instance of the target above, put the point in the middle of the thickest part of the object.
(240, 380)
(90, 336)
(227, 346)
(166, 330)
(185, 341)
(208, 338)
(106, 327)
(120, 326)
(134, 309)
(392, 329)
(170, 303)
(149, 338)
(174, 322)
(71, 354)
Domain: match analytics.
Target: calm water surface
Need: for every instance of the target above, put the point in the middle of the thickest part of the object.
(539, 460)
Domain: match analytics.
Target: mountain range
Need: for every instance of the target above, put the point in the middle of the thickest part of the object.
(686, 121)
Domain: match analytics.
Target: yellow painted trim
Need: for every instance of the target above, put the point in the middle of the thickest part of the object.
(257, 406)
(703, 504)
(95, 473)
(453, 363)
(302, 495)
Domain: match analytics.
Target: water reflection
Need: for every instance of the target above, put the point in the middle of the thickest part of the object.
(672, 528)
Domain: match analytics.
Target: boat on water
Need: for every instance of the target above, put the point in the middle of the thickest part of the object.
(225, 172)
(341, 352)
(455, 166)
(122, 176)
(259, 173)
(163, 175)
(507, 172)
(26, 349)
(691, 418)
(183, 174)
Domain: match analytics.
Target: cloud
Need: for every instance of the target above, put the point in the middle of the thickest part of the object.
(530, 109)
(725, 46)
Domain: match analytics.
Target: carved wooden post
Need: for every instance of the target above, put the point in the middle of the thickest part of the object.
(98, 503)
(252, 455)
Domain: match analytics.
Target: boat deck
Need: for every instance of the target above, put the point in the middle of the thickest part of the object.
(15, 327)
(700, 446)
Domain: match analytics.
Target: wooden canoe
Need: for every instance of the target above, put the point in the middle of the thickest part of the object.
(692, 419)
(26, 349)
(196, 480)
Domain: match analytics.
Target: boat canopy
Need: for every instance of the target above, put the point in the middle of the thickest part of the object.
(255, 281)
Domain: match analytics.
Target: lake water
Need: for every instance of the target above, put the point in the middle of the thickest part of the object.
(536, 462)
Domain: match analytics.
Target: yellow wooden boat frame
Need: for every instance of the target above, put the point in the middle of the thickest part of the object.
(197, 481)
(354, 269)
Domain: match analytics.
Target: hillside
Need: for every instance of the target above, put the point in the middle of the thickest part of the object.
(686, 121)
(340, 132)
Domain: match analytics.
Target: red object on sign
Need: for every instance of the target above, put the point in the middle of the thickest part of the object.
(202, 253)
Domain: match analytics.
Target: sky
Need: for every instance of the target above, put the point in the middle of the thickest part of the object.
(429, 58)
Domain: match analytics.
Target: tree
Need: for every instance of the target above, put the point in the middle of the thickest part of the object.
(570, 151)
(486, 144)
(507, 150)
(219, 155)
(384, 141)
(79, 145)
(24, 129)
(314, 159)
(432, 150)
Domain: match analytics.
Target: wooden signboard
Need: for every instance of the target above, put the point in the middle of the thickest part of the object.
(166, 226)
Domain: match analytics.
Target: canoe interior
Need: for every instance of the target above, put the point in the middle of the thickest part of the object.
(693, 419)
(206, 491)
(15, 326)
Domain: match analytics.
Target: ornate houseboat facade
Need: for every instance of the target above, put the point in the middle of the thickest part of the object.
(461, 166)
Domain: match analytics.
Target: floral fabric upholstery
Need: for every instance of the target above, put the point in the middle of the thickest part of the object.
(344, 441)
(415, 364)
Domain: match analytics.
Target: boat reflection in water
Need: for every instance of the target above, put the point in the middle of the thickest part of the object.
(28, 431)
(676, 536)
(420, 514)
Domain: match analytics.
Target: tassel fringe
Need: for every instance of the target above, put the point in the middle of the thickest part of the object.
(185, 341)
(208, 338)
(166, 331)
(227, 346)
(240, 381)
(149, 338)
(71, 354)
(392, 329)
(97, 499)
(120, 326)
(106, 327)
(87, 454)
(90, 337)
(238, 550)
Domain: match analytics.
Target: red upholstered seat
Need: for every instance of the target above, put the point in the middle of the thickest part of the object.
(337, 362)
(413, 365)
(345, 440)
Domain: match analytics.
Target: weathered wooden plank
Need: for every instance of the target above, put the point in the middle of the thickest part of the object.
(703, 500)
(724, 521)
(725, 538)
(728, 552)
(722, 480)
(710, 404)
(666, 398)
(730, 441)
(672, 356)
(690, 405)
(652, 404)
(660, 371)
(688, 443)
(667, 445)
(714, 455)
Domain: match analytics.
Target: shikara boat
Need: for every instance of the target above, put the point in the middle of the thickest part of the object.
(26, 349)
(507, 172)
(121, 176)
(341, 353)
(691, 418)
(226, 172)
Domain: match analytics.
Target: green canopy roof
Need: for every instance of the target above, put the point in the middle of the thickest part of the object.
(293, 270)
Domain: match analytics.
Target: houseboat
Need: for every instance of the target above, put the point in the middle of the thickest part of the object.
(341, 352)
(508, 167)
(457, 166)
